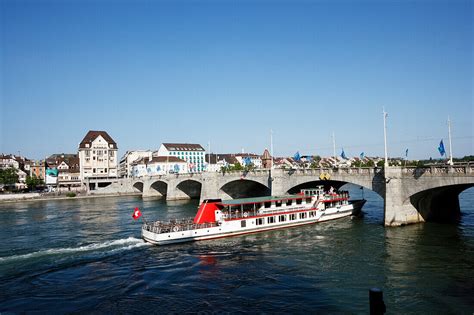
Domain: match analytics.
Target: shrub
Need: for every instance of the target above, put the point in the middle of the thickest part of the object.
(71, 194)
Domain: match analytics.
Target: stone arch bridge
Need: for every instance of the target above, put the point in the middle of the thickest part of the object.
(410, 195)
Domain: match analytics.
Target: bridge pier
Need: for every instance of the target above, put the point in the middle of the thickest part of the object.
(398, 210)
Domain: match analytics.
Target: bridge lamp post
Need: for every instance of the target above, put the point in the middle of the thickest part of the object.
(450, 144)
(385, 136)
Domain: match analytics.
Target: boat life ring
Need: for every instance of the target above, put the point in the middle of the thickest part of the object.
(175, 229)
(246, 214)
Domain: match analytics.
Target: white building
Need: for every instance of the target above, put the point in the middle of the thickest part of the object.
(255, 159)
(129, 158)
(7, 161)
(193, 154)
(98, 155)
(159, 165)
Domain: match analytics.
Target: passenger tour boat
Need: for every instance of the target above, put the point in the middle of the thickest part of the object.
(218, 218)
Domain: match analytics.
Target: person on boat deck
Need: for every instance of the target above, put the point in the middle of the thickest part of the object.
(331, 190)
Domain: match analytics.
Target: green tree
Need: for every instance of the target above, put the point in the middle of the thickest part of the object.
(32, 182)
(8, 176)
(236, 167)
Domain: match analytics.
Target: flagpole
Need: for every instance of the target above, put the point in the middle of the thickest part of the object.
(334, 146)
(271, 148)
(450, 146)
(385, 136)
(209, 149)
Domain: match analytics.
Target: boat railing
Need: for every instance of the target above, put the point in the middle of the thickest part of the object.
(175, 225)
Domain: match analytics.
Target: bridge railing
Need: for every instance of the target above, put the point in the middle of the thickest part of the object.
(438, 170)
(257, 172)
(339, 171)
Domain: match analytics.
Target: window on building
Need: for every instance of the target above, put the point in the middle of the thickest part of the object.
(88, 153)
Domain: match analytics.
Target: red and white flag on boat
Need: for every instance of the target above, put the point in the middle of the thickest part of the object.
(136, 213)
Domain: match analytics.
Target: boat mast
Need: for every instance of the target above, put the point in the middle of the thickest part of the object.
(385, 136)
(450, 145)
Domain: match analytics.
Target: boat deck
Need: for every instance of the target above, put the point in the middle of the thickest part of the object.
(160, 227)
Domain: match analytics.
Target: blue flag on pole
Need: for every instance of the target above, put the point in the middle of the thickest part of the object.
(406, 153)
(297, 156)
(441, 148)
(362, 155)
(343, 155)
(247, 160)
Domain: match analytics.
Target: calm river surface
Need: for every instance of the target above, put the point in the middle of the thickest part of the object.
(86, 255)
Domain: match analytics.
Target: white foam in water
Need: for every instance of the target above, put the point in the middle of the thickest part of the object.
(122, 244)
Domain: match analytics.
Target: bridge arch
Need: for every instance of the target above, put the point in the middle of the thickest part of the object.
(243, 188)
(313, 183)
(440, 203)
(293, 184)
(138, 186)
(188, 189)
(158, 188)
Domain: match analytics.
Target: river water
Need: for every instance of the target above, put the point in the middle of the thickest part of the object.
(86, 255)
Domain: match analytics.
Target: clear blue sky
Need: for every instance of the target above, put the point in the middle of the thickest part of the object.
(149, 72)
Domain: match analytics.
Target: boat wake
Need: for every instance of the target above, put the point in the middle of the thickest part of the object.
(114, 246)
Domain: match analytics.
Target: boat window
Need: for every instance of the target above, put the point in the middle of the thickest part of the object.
(282, 218)
(292, 216)
(288, 202)
(298, 201)
(308, 200)
(259, 221)
(243, 223)
(311, 214)
(278, 203)
(268, 204)
(303, 215)
(271, 220)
